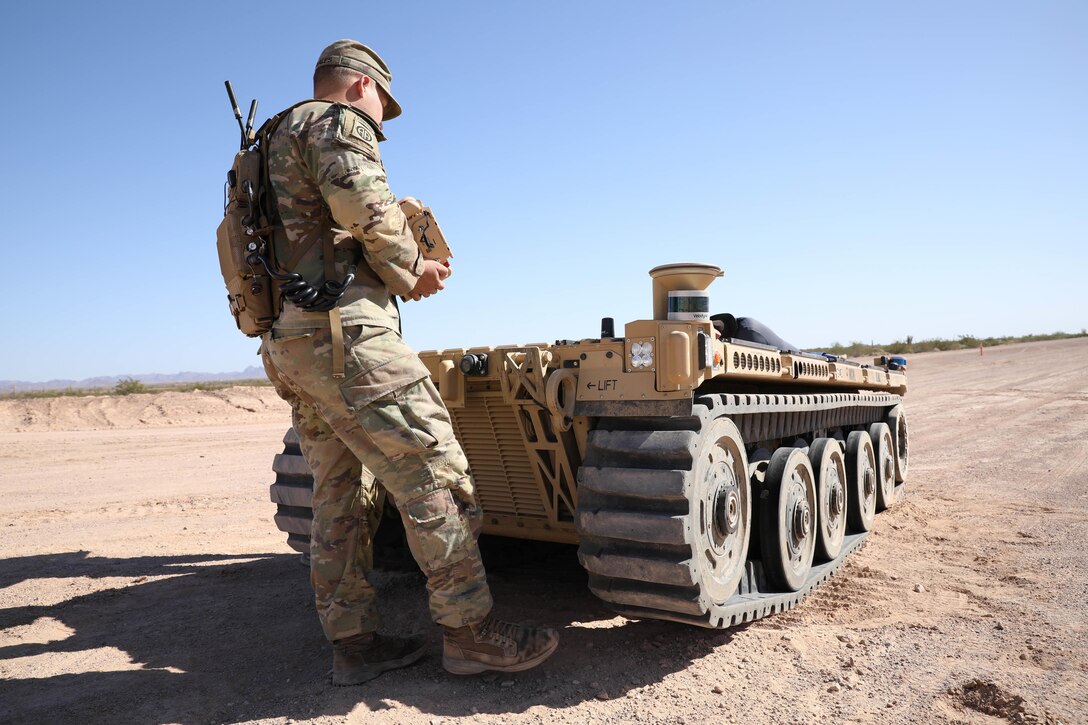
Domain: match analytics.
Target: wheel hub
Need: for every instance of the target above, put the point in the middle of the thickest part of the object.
(802, 521)
(724, 504)
(868, 480)
(798, 518)
(727, 510)
(834, 495)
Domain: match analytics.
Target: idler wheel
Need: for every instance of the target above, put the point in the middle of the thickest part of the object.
(723, 505)
(788, 518)
(861, 481)
(829, 466)
(884, 452)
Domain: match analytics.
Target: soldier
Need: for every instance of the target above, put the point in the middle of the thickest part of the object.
(363, 403)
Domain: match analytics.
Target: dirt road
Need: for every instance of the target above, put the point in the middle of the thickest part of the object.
(142, 580)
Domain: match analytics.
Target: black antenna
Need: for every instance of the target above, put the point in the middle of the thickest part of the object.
(237, 113)
(249, 123)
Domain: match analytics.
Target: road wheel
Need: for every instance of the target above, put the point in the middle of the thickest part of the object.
(884, 451)
(787, 518)
(897, 422)
(724, 510)
(861, 481)
(829, 466)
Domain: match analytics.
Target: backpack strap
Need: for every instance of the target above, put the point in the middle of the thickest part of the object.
(306, 245)
(272, 123)
(328, 251)
(263, 135)
(337, 330)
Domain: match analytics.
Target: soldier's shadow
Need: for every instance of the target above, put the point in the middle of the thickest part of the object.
(189, 648)
(236, 638)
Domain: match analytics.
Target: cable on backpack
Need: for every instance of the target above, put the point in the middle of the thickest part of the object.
(295, 288)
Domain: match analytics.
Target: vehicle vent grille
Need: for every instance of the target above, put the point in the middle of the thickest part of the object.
(501, 469)
(756, 363)
(811, 369)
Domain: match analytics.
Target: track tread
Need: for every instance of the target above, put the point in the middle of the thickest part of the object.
(637, 484)
(294, 520)
(646, 528)
(291, 494)
(657, 449)
(633, 507)
(657, 570)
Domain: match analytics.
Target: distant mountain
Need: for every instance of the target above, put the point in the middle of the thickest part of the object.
(9, 386)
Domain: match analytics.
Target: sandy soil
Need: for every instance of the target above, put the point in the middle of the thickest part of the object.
(143, 580)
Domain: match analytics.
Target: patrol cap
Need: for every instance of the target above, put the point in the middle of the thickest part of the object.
(353, 54)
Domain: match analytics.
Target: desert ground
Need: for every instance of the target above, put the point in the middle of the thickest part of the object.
(142, 579)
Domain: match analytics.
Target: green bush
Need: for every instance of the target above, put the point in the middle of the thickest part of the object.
(128, 386)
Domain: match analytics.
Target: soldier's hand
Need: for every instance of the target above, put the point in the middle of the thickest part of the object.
(430, 281)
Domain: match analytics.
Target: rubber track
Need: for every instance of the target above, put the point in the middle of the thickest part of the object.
(292, 492)
(634, 488)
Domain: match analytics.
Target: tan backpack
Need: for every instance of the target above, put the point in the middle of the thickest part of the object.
(244, 238)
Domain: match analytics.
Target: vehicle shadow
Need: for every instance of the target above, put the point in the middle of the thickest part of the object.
(230, 637)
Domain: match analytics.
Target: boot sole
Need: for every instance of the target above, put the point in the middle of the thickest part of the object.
(369, 672)
(469, 667)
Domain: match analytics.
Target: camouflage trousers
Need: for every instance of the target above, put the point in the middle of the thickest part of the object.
(382, 422)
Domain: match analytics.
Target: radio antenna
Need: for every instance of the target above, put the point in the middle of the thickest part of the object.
(249, 123)
(237, 113)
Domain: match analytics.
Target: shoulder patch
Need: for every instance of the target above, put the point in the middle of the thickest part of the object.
(354, 132)
(363, 132)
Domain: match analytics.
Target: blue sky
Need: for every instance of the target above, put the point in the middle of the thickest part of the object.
(862, 171)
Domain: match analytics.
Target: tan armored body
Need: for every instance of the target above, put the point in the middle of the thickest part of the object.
(705, 479)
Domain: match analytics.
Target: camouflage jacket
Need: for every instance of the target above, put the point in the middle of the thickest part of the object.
(324, 169)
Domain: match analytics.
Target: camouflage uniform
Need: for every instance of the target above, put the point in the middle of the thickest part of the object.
(384, 419)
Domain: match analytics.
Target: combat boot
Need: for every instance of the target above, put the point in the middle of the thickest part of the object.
(365, 656)
(492, 644)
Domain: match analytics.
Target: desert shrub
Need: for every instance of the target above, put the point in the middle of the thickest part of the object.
(128, 386)
(900, 347)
